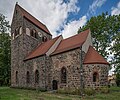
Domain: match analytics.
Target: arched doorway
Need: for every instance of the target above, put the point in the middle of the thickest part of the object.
(54, 85)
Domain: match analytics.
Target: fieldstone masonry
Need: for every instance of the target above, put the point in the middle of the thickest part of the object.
(48, 67)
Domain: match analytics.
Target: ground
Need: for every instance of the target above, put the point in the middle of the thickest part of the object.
(7, 93)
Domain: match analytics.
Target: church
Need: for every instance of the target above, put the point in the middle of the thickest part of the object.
(40, 61)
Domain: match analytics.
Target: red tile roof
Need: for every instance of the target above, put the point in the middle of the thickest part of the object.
(72, 42)
(93, 57)
(33, 19)
(41, 49)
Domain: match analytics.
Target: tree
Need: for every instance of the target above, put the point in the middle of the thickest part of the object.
(4, 51)
(105, 30)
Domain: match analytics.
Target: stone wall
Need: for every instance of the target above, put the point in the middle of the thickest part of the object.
(21, 46)
(102, 71)
(71, 61)
(31, 26)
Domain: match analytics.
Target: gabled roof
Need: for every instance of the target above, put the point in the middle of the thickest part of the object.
(93, 57)
(41, 49)
(32, 19)
(72, 42)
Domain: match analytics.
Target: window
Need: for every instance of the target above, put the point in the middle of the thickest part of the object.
(20, 30)
(36, 76)
(28, 31)
(44, 38)
(95, 77)
(13, 36)
(63, 75)
(16, 77)
(34, 33)
(16, 32)
(28, 77)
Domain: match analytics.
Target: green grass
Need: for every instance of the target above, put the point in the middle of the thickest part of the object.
(7, 93)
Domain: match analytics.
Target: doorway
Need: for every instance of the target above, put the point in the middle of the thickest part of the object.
(55, 85)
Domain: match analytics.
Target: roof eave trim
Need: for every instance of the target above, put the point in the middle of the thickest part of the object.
(33, 57)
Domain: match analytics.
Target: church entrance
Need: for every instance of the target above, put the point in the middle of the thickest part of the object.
(55, 85)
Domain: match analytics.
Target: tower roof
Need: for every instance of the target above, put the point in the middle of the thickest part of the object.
(93, 57)
(71, 43)
(32, 19)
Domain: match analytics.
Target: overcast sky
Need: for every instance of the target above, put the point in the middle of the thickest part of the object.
(62, 16)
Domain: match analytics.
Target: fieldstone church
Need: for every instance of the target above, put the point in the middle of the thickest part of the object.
(40, 61)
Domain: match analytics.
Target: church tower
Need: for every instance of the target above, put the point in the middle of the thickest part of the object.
(26, 32)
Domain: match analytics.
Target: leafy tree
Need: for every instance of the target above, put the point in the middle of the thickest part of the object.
(105, 30)
(4, 51)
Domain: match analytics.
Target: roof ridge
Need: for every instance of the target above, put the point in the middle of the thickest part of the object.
(34, 20)
(29, 14)
(77, 34)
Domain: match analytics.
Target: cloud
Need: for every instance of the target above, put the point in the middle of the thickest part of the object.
(53, 13)
(71, 28)
(116, 10)
(96, 4)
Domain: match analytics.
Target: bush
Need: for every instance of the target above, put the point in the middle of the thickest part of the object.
(104, 90)
(89, 91)
(41, 90)
(72, 91)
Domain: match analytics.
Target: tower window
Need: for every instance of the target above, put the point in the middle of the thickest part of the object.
(28, 77)
(63, 75)
(34, 33)
(36, 76)
(16, 76)
(28, 31)
(44, 38)
(95, 77)
(16, 32)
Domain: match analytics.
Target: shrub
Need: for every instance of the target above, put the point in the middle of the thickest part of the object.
(104, 90)
(66, 90)
(41, 89)
(89, 91)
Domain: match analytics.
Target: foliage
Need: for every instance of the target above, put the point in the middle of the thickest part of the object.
(72, 91)
(104, 90)
(4, 51)
(7, 93)
(89, 91)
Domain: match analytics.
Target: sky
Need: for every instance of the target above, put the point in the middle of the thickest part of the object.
(62, 16)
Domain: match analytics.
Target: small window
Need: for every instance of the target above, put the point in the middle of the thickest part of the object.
(28, 77)
(95, 77)
(36, 76)
(28, 31)
(44, 38)
(16, 32)
(16, 76)
(20, 30)
(13, 36)
(63, 75)
(34, 33)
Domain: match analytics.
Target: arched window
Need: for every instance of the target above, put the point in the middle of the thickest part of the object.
(95, 77)
(36, 76)
(27, 77)
(16, 32)
(44, 38)
(13, 36)
(16, 76)
(34, 33)
(20, 30)
(28, 31)
(63, 75)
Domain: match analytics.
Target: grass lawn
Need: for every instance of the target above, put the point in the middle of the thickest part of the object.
(7, 93)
